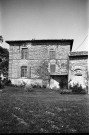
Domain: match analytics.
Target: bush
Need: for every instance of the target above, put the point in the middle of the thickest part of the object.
(44, 86)
(1, 83)
(6, 82)
(63, 84)
(14, 85)
(77, 89)
(36, 85)
(28, 89)
(65, 91)
(31, 87)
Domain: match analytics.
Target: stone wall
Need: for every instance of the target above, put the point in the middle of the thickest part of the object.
(36, 55)
(78, 71)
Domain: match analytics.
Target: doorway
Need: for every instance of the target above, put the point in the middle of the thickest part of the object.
(61, 79)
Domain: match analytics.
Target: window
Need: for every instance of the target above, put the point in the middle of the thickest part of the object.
(24, 53)
(63, 65)
(52, 68)
(52, 54)
(78, 72)
(24, 71)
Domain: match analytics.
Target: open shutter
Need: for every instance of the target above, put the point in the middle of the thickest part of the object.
(22, 54)
(29, 72)
(19, 72)
(52, 54)
(52, 68)
(28, 53)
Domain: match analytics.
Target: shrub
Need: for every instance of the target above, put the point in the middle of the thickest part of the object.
(44, 86)
(63, 84)
(36, 85)
(1, 84)
(31, 87)
(6, 82)
(65, 91)
(28, 89)
(77, 89)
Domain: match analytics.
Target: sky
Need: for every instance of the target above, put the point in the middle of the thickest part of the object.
(44, 19)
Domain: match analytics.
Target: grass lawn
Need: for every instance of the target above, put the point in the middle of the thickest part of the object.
(43, 111)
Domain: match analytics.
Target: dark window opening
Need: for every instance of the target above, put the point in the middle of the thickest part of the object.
(24, 53)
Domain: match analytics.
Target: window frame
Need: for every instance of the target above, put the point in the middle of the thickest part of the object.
(24, 54)
(52, 54)
(24, 71)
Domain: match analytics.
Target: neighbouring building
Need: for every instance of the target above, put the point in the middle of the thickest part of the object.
(78, 68)
(27, 57)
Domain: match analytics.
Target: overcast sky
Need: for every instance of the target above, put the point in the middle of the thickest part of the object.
(44, 19)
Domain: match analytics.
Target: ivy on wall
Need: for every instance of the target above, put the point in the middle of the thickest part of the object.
(42, 70)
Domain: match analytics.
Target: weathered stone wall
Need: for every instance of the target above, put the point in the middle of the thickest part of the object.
(78, 71)
(36, 55)
(61, 66)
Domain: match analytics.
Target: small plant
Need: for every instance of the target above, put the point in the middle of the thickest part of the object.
(63, 84)
(65, 91)
(36, 85)
(31, 87)
(1, 84)
(77, 89)
(6, 81)
(44, 86)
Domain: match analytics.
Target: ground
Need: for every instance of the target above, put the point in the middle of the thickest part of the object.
(43, 111)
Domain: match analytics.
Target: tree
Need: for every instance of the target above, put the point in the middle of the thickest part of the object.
(1, 39)
(4, 60)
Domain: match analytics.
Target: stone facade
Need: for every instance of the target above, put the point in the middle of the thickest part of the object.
(78, 68)
(69, 66)
(38, 52)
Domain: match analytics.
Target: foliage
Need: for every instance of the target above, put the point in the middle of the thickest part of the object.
(32, 87)
(6, 81)
(63, 83)
(1, 84)
(77, 89)
(4, 60)
(65, 91)
(1, 39)
(42, 70)
(86, 78)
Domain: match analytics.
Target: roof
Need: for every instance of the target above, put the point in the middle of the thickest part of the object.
(42, 42)
(79, 53)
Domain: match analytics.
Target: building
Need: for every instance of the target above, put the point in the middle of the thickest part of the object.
(78, 68)
(28, 57)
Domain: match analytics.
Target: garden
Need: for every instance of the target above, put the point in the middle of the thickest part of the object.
(42, 110)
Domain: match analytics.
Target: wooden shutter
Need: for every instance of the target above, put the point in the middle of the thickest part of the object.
(18, 72)
(29, 72)
(52, 68)
(27, 53)
(52, 54)
(21, 54)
